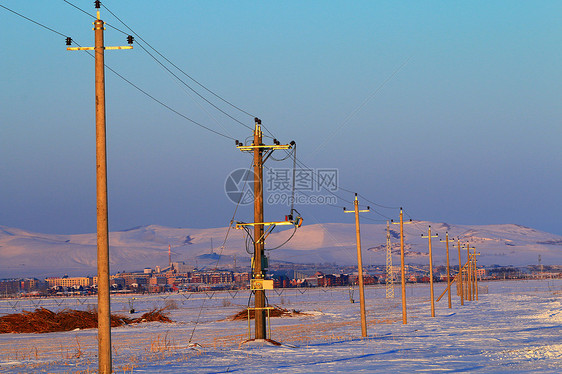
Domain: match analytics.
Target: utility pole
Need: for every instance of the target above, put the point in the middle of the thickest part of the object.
(429, 236)
(259, 244)
(389, 273)
(474, 254)
(360, 265)
(259, 284)
(403, 270)
(448, 271)
(459, 276)
(473, 273)
(104, 308)
(468, 274)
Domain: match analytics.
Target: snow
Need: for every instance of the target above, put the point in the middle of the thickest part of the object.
(26, 254)
(515, 326)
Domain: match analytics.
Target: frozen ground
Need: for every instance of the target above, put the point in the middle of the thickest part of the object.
(515, 326)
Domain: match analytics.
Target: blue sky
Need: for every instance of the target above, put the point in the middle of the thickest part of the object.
(450, 109)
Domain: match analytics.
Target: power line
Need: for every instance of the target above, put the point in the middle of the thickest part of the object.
(194, 91)
(94, 17)
(167, 106)
(171, 63)
(80, 9)
(302, 164)
(122, 77)
(182, 71)
(30, 20)
(167, 69)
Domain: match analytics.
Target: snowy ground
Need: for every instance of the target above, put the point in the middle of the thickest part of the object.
(515, 326)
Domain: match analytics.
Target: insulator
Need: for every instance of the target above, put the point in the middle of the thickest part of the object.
(130, 39)
(293, 142)
(97, 3)
(68, 40)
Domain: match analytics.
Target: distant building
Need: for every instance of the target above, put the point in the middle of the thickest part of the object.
(69, 282)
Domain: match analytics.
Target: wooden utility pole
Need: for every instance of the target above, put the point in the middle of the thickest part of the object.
(475, 273)
(402, 266)
(259, 284)
(474, 294)
(448, 269)
(429, 236)
(459, 276)
(259, 241)
(104, 308)
(468, 274)
(360, 265)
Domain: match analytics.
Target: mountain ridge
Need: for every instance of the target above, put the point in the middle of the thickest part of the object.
(25, 253)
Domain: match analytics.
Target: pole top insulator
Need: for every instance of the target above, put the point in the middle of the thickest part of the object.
(97, 4)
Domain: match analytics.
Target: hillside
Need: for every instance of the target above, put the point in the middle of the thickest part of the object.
(25, 253)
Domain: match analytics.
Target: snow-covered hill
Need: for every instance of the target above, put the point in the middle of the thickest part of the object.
(25, 253)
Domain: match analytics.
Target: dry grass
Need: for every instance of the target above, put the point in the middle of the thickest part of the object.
(43, 320)
(275, 312)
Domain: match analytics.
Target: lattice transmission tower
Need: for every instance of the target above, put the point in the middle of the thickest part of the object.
(389, 273)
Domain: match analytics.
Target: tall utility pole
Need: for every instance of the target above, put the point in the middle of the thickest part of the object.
(448, 269)
(259, 243)
(360, 265)
(402, 266)
(259, 270)
(474, 254)
(104, 309)
(459, 275)
(389, 272)
(468, 274)
(429, 236)
(473, 273)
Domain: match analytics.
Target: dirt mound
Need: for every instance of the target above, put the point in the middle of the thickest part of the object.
(275, 312)
(43, 320)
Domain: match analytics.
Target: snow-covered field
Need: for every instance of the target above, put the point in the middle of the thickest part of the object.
(515, 326)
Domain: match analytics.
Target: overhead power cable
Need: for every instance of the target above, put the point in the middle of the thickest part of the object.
(191, 88)
(165, 105)
(123, 78)
(304, 166)
(183, 72)
(35, 22)
(169, 70)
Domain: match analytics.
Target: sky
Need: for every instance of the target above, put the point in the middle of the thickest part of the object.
(449, 109)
